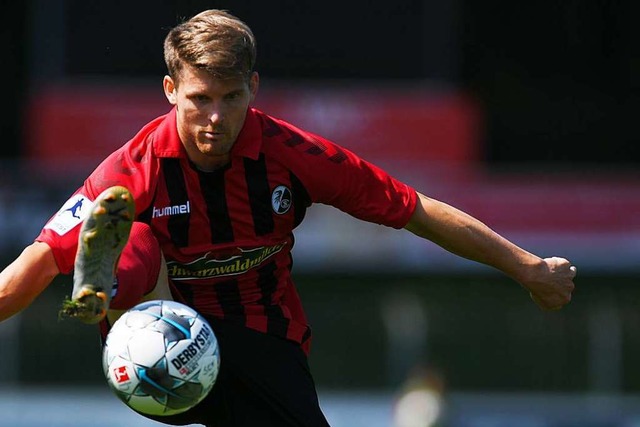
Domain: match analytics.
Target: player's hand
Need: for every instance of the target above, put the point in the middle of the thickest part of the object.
(551, 284)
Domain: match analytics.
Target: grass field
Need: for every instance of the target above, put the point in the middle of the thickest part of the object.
(483, 333)
(90, 407)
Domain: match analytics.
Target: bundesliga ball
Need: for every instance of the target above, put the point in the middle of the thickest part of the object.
(161, 358)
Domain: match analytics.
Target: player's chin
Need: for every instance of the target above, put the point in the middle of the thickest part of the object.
(215, 149)
(209, 142)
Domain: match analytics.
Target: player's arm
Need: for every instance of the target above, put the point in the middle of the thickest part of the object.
(25, 278)
(550, 280)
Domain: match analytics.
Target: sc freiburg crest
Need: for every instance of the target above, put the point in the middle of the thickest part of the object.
(281, 199)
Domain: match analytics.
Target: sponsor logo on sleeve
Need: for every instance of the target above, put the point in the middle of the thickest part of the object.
(72, 213)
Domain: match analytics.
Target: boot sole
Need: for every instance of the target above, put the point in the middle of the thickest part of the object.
(103, 235)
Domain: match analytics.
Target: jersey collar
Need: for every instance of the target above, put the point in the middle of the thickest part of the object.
(249, 140)
(167, 142)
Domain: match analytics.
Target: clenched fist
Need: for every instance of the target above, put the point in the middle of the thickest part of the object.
(550, 284)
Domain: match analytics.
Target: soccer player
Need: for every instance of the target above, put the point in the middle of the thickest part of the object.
(200, 206)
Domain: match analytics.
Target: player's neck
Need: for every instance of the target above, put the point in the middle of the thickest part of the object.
(212, 163)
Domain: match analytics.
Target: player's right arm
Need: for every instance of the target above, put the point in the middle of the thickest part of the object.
(549, 280)
(25, 278)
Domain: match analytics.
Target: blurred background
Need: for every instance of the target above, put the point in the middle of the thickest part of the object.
(520, 113)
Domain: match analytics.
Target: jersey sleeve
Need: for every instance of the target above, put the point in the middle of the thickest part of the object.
(335, 176)
(129, 167)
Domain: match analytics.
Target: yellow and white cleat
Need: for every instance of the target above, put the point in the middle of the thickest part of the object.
(103, 235)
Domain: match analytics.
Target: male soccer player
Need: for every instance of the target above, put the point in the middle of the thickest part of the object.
(200, 206)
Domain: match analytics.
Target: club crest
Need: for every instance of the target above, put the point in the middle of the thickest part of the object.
(281, 199)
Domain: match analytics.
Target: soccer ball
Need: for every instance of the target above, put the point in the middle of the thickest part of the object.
(161, 358)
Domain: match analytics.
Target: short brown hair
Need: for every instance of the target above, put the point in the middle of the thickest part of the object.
(213, 40)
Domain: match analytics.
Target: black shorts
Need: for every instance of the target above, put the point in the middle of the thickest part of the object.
(263, 381)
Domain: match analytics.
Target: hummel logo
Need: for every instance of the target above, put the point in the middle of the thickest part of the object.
(171, 210)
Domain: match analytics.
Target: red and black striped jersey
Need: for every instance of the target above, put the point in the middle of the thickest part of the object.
(227, 235)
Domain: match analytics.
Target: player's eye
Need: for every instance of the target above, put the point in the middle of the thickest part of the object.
(232, 95)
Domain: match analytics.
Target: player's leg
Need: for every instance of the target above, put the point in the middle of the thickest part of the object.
(118, 264)
(142, 274)
(263, 381)
(266, 381)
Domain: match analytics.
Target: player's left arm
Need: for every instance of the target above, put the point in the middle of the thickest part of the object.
(549, 280)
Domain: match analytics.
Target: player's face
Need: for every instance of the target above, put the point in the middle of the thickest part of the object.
(210, 113)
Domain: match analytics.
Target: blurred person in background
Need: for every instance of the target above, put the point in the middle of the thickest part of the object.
(200, 207)
(420, 401)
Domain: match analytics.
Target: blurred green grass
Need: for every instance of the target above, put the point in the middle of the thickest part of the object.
(481, 333)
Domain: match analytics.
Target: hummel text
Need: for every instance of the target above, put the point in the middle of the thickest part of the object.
(171, 210)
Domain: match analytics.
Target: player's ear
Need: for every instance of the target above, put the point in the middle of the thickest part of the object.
(170, 90)
(254, 82)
